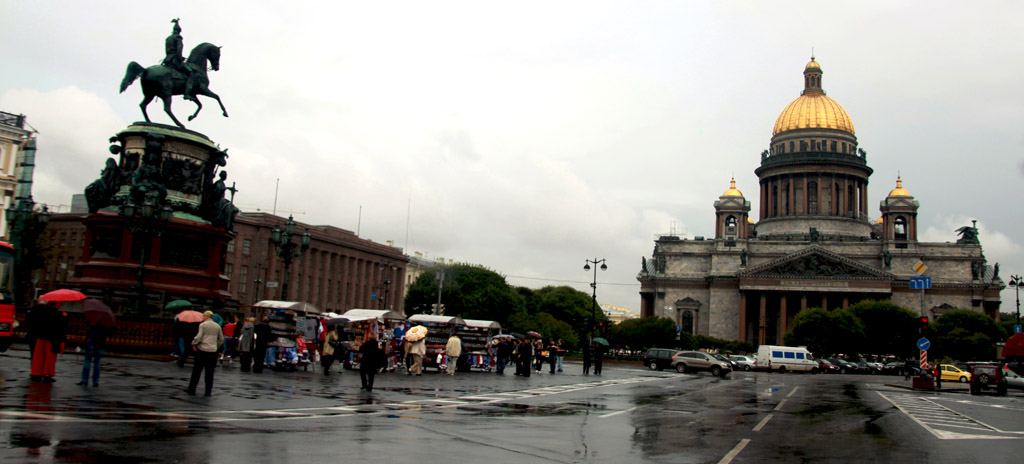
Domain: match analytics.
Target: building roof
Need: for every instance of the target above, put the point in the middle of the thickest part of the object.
(899, 191)
(812, 109)
(732, 192)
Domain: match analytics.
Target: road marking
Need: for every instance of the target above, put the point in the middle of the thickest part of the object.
(937, 419)
(734, 452)
(760, 425)
(792, 392)
(779, 406)
(664, 400)
(324, 412)
(622, 411)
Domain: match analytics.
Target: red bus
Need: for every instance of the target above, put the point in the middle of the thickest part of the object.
(6, 295)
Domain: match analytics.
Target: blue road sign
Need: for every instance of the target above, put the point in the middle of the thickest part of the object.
(1016, 328)
(373, 296)
(923, 343)
(920, 283)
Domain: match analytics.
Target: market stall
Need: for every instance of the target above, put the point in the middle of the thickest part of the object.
(294, 328)
(439, 329)
(379, 322)
(475, 336)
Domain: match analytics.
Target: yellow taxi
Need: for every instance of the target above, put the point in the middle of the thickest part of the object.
(953, 373)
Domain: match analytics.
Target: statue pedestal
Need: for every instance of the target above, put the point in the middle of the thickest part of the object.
(162, 167)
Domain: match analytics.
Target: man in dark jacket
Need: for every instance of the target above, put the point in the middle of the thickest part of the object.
(262, 340)
(188, 332)
(501, 353)
(371, 357)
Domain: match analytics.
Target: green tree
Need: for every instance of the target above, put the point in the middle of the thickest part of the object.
(568, 305)
(826, 333)
(966, 335)
(643, 333)
(888, 329)
(544, 324)
(469, 292)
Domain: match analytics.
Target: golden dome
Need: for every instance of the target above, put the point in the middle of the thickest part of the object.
(732, 192)
(898, 191)
(880, 221)
(812, 109)
(750, 220)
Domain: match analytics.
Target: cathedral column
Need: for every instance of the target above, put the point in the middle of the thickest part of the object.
(792, 196)
(807, 197)
(783, 319)
(824, 301)
(743, 316)
(846, 301)
(762, 325)
(803, 302)
(764, 200)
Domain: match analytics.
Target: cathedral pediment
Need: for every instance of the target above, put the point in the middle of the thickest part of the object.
(815, 262)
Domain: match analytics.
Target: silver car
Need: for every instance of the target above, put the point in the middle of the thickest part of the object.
(689, 361)
(746, 362)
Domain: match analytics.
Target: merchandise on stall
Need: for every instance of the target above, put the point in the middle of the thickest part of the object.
(294, 327)
(379, 322)
(439, 328)
(475, 336)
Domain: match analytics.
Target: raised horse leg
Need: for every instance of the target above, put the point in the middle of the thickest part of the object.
(167, 109)
(199, 106)
(209, 93)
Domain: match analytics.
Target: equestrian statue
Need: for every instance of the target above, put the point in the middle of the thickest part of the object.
(176, 76)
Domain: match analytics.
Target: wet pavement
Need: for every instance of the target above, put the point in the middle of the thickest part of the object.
(140, 413)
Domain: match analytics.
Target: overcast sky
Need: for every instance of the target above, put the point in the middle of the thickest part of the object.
(530, 136)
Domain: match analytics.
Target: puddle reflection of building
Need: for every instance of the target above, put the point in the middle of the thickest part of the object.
(36, 437)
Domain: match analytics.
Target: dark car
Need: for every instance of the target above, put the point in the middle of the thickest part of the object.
(657, 359)
(868, 368)
(845, 367)
(988, 377)
(735, 366)
(826, 367)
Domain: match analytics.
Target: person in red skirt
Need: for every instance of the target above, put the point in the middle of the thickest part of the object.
(46, 330)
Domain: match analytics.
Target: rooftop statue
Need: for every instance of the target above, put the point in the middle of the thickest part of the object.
(968, 235)
(175, 76)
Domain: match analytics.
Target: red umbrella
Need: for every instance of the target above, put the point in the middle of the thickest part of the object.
(189, 315)
(96, 312)
(63, 295)
(534, 334)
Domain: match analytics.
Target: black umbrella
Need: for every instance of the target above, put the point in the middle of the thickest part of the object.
(336, 321)
(517, 335)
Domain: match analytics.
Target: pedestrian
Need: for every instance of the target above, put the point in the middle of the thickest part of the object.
(417, 349)
(560, 354)
(552, 354)
(230, 342)
(188, 333)
(523, 358)
(206, 344)
(588, 355)
(259, 352)
(598, 357)
(501, 354)
(453, 350)
(371, 357)
(46, 330)
(246, 343)
(333, 349)
(95, 341)
(539, 355)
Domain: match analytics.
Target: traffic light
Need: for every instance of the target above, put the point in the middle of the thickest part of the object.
(924, 323)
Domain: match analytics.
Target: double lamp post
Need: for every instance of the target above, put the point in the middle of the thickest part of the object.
(593, 285)
(288, 250)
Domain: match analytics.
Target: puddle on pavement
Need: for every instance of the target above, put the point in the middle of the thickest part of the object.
(516, 409)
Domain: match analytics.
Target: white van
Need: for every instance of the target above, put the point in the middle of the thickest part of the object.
(785, 358)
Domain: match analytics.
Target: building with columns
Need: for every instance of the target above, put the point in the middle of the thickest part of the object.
(813, 244)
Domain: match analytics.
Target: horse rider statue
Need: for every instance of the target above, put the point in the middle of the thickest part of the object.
(173, 49)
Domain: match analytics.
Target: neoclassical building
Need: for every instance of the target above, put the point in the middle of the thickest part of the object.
(814, 243)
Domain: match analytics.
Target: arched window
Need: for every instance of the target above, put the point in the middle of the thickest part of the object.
(812, 197)
(730, 221)
(900, 228)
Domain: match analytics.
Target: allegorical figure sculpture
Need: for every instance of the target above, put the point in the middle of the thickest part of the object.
(100, 191)
(743, 257)
(968, 235)
(174, 77)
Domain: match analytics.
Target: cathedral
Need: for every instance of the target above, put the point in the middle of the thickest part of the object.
(814, 244)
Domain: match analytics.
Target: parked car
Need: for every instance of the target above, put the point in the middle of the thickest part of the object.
(900, 368)
(733, 365)
(951, 372)
(657, 359)
(826, 367)
(986, 377)
(688, 361)
(785, 358)
(745, 362)
(869, 368)
(845, 367)
(1013, 379)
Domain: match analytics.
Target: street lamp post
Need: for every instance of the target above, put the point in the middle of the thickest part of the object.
(1016, 281)
(288, 250)
(146, 222)
(593, 286)
(24, 225)
(387, 268)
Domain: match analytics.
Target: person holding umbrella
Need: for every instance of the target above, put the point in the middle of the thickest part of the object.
(333, 349)
(46, 331)
(101, 322)
(207, 345)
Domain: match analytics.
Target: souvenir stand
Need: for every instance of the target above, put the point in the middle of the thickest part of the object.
(439, 330)
(475, 336)
(377, 321)
(294, 328)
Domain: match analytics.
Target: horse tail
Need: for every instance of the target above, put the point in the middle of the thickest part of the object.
(134, 71)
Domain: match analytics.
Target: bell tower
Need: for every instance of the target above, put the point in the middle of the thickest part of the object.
(731, 212)
(899, 217)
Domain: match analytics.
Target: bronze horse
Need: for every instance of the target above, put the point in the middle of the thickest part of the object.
(164, 82)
